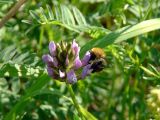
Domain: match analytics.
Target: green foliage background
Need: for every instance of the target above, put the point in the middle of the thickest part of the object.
(127, 30)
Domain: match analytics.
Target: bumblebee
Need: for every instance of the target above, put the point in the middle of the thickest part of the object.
(97, 59)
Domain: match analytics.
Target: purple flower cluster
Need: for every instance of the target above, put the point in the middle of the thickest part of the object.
(63, 62)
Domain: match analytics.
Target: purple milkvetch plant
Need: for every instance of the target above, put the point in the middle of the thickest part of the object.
(64, 64)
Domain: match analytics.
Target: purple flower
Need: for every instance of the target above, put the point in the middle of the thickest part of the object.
(64, 63)
(71, 77)
(86, 58)
(75, 48)
(52, 48)
(50, 72)
(86, 71)
(63, 57)
(50, 61)
(77, 63)
(55, 62)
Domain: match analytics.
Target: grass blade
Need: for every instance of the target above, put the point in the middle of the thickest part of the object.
(123, 34)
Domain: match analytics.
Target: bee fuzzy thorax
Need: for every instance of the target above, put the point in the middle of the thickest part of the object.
(98, 52)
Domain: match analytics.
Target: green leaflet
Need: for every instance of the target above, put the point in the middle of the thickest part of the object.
(68, 17)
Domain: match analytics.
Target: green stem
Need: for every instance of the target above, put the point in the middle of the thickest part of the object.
(41, 37)
(75, 101)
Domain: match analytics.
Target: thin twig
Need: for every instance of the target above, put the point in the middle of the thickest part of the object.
(11, 12)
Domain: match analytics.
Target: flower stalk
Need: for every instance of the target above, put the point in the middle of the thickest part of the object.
(75, 101)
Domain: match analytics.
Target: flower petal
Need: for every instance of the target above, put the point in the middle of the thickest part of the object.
(48, 60)
(75, 48)
(86, 71)
(50, 72)
(61, 74)
(52, 48)
(71, 76)
(77, 63)
(55, 62)
(86, 58)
